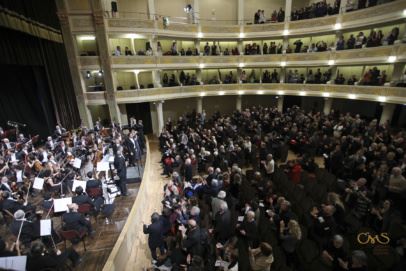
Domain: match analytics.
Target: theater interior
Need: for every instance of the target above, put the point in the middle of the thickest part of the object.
(194, 135)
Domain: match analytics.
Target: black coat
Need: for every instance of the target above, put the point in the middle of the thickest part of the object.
(82, 199)
(75, 221)
(222, 226)
(27, 231)
(192, 242)
(156, 234)
(119, 164)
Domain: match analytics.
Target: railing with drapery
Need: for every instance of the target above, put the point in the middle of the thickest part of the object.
(13, 20)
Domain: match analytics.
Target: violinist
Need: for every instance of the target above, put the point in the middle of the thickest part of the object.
(4, 185)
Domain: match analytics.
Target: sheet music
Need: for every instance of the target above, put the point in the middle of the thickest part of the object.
(19, 175)
(45, 227)
(17, 263)
(13, 157)
(77, 163)
(77, 183)
(38, 183)
(103, 166)
(61, 205)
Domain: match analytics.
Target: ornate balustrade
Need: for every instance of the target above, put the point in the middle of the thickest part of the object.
(370, 93)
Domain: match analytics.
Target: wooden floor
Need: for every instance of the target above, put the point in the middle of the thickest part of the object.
(100, 246)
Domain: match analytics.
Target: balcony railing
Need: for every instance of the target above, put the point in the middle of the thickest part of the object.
(370, 93)
(373, 55)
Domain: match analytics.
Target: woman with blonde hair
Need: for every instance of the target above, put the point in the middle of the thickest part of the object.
(335, 200)
(289, 237)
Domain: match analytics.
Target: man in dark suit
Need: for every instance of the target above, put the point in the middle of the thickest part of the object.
(92, 182)
(76, 221)
(27, 229)
(133, 148)
(119, 164)
(191, 239)
(156, 235)
(188, 170)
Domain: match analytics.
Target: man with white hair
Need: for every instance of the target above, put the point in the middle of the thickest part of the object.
(334, 251)
(222, 224)
(397, 183)
(191, 239)
(27, 229)
(248, 230)
(217, 201)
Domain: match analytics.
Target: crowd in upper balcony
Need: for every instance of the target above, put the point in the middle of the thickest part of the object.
(277, 16)
(315, 10)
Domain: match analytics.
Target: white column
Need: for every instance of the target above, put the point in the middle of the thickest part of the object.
(123, 114)
(88, 121)
(238, 104)
(132, 46)
(342, 6)
(199, 104)
(136, 79)
(156, 78)
(240, 12)
(328, 102)
(199, 75)
(282, 75)
(160, 115)
(151, 9)
(280, 103)
(288, 10)
(196, 11)
(387, 113)
(397, 73)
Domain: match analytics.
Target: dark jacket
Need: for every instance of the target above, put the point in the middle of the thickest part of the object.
(75, 221)
(155, 233)
(119, 164)
(192, 242)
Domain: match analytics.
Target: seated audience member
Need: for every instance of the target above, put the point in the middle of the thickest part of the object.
(356, 262)
(128, 52)
(340, 80)
(352, 80)
(351, 42)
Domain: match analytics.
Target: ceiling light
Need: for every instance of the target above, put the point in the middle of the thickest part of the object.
(391, 59)
(100, 73)
(241, 65)
(202, 94)
(302, 93)
(382, 99)
(133, 36)
(87, 37)
(88, 74)
(222, 92)
(331, 62)
(281, 92)
(283, 63)
(242, 35)
(260, 92)
(404, 12)
(326, 94)
(201, 65)
(337, 26)
(200, 35)
(285, 32)
(240, 92)
(352, 96)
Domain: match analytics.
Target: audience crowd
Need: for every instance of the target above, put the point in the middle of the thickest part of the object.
(232, 203)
